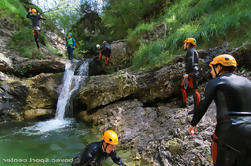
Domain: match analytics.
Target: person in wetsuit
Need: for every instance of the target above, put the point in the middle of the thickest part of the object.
(231, 145)
(105, 50)
(96, 153)
(35, 17)
(191, 73)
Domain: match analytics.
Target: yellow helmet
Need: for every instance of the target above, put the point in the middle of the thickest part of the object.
(110, 137)
(34, 11)
(190, 40)
(224, 60)
(104, 42)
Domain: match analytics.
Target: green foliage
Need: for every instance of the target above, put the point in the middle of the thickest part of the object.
(23, 42)
(13, 6)
(209, 21)
(121, 15)
(151, 55)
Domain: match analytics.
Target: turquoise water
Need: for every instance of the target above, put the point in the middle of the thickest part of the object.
(31, 144)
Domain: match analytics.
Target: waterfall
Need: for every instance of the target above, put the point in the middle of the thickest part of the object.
(70, 85)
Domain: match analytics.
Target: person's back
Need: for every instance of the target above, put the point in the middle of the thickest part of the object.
(233, 97)
(231, 144)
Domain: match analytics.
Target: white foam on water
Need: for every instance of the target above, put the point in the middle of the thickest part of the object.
(46, 126)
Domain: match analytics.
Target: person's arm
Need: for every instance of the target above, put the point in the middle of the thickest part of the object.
(116, 159)
(83, 158)
(204, 104)
(74, 43)
(29, 13)
(41, 17)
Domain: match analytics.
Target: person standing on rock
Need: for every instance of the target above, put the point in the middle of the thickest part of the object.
(35, 17)
(191, 73)
(70, 45)
(96, 153)
(105, 50)
(231, 145)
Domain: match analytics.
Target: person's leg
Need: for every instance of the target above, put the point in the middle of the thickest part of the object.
(100, 56)
(183, 94)
(108, 56)
(72, 49)
(196, 94)
(35, 34)
(69, 52)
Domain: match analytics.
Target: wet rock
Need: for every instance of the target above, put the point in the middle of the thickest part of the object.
(43, 92)
(35, 67)
(28, 99)
(38, 113)
(112, 88)
(12, 100)
(5, 63)
(3, 77)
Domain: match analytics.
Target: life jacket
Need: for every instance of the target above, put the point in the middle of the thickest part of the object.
(71, 42)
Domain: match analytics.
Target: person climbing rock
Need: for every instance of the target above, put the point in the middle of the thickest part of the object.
(191, 73)
(96, 153)
(35, 17)
(231, 145)
(105, 50)
(70, 45)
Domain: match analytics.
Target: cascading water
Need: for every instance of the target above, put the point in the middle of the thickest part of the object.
(70, 84)
(70, 80)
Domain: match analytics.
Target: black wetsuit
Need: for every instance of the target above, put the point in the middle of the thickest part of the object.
(106, 50)
(35, 19)
(232, 95)
(93, 155)
(192, 61)
(192, 69)
(35, 25)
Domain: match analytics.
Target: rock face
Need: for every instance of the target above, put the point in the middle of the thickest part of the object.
(157, 134)
(29, 99)
(99, 93)
(154, 85)
(12, 100)
(57, 41)
(34, 67)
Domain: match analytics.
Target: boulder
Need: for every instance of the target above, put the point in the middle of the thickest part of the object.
(35, 113)
(5, 64)
(28, 99)
(42, 93)
(36, 66)
(12, 100)
(102, 90)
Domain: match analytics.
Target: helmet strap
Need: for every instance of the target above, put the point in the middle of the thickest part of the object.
(217, 74)
(105, 146)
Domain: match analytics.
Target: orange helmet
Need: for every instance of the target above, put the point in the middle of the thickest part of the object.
(110, 137)
(224, 60)
(190, 40)
(34, 11)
